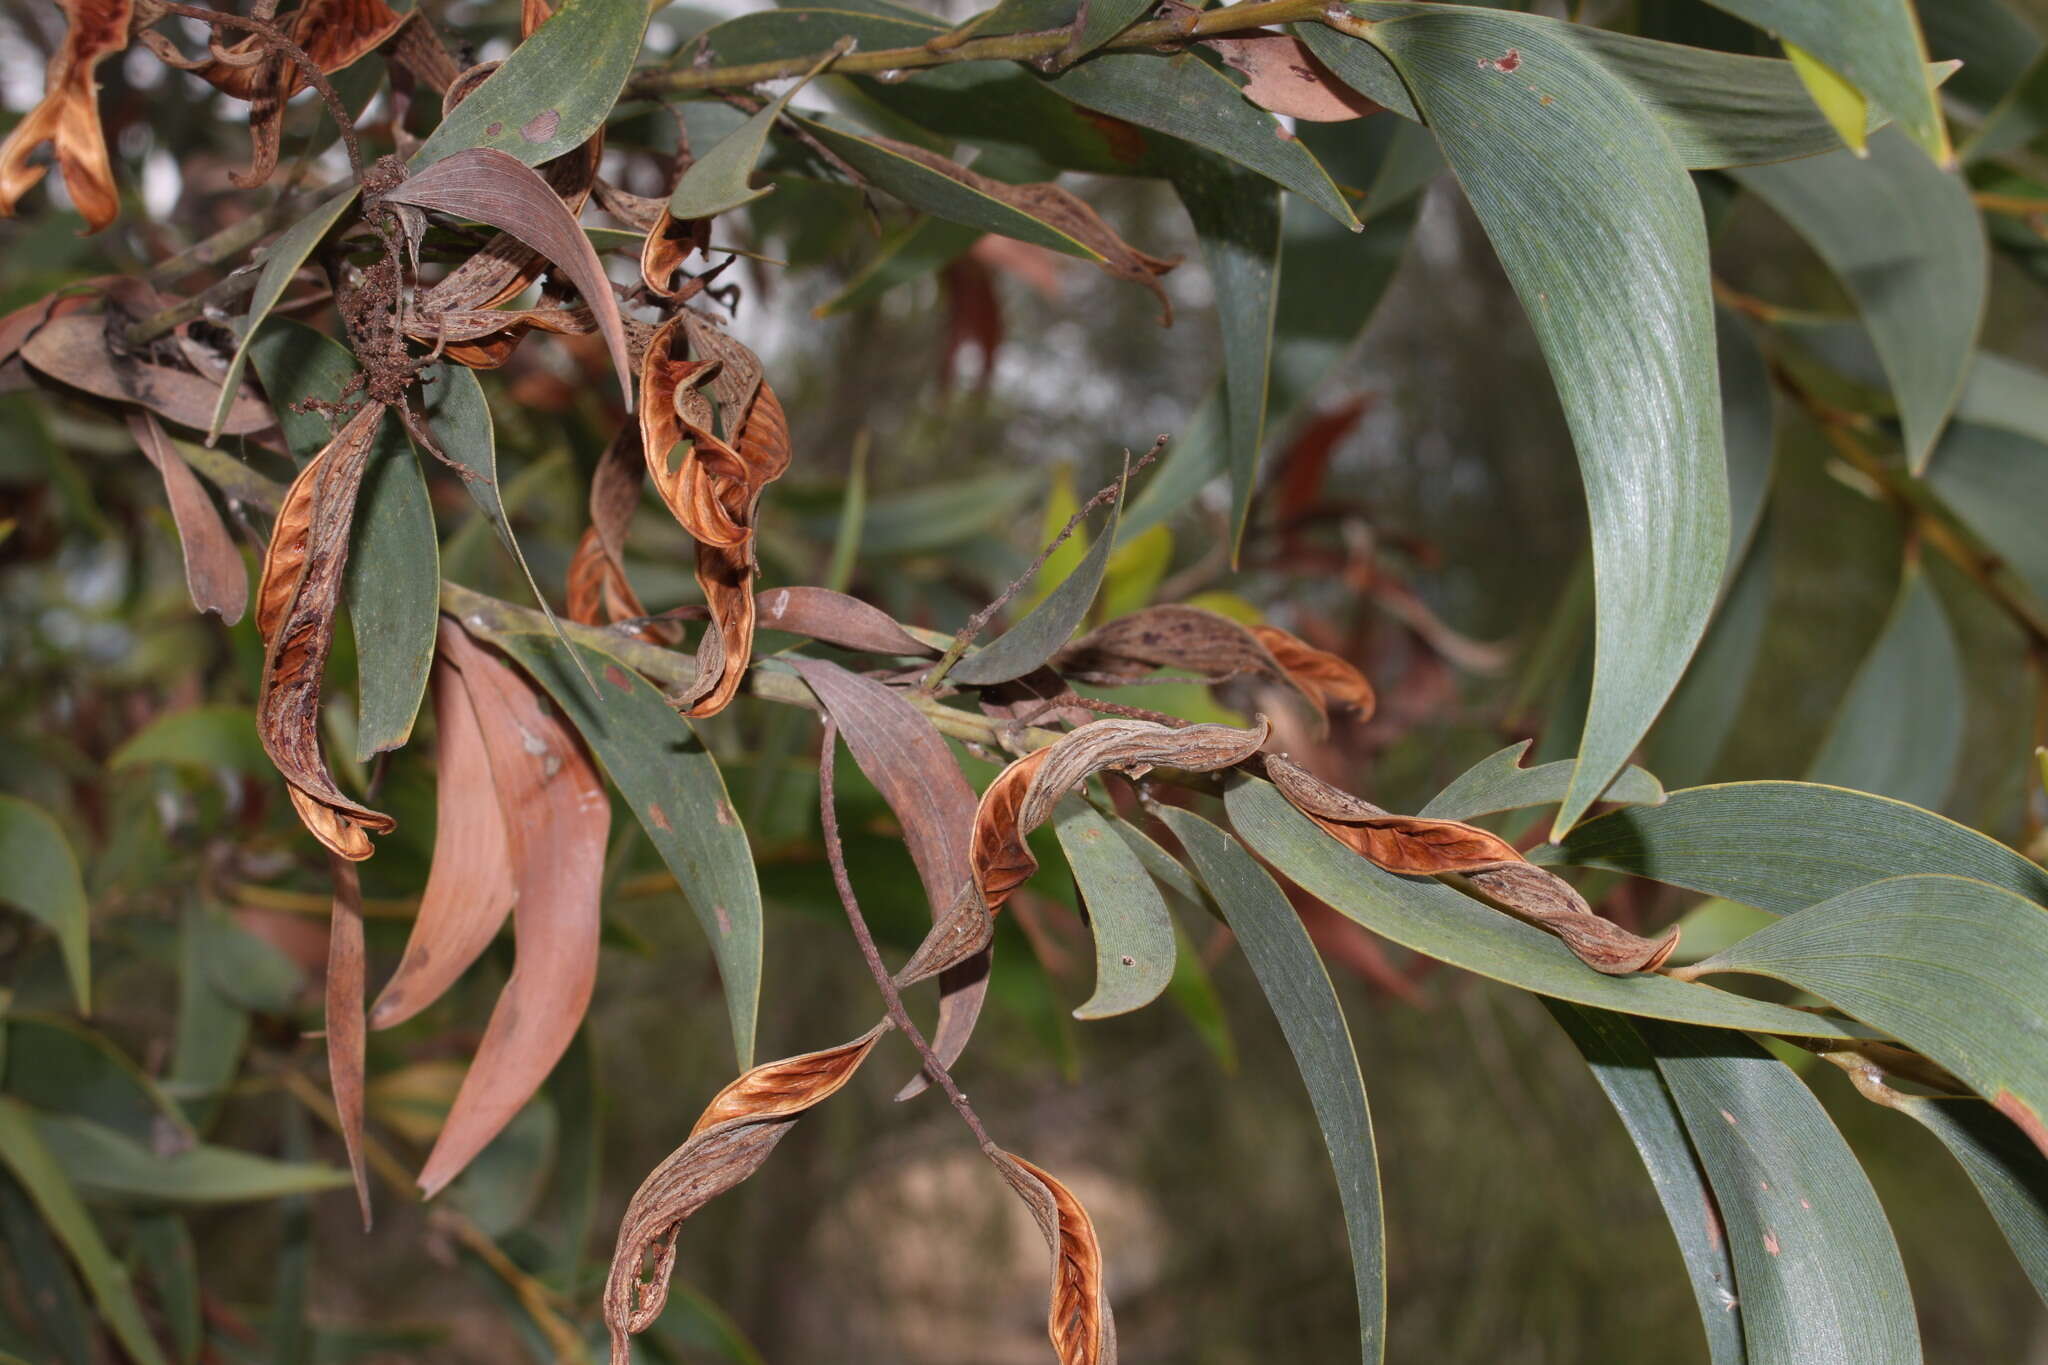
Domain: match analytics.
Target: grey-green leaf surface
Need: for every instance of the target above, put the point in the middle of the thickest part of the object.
(939, 194)
(1953, 968)
(1298, 988)
(1816, 1266)
(1627, 1071)
(935, 516)
(1874, 46)
(1134, 944)
(2008, 1171)
(1701, 714)
(1499, 782)
(103, 1164)
(802, 30)
(1237, 222)
(1996, 481)
(1186, 98)
(24, 1153)
(1782, 846)
(1047, 626)
(1907, 243)
(1608, 252)
(552, 92)
(281, 260)
(1439, 922)
(63, 1067)
(212, 1027)
(162, 1247)
(674, 786)
(1899, 731)
(719, 180)
(1749, 423)
(49, 1288)
(39, 876)
(1994, 44)
(393, 578)
(210, 737)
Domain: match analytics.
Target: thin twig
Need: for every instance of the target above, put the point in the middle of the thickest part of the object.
(828, 814)
(979, 621)
(230, 241)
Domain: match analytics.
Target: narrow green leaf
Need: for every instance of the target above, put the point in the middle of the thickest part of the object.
(1782, 846)
(251, 971)
(1187, 99)
(24, 1153)
(393, 576)
(934, 516)
(1305, 1004)
(718, 181)
(1899, 731)
(1846, 108)
(1701, 714)
(50, 1289)
(1906, 241)
(1499, 782)
(1047, 626)
(1995, 45)
(1609, 256)
(60, 1066)
(211, 1032)
(915, 251)
(39, 877)
(1875, 47)
(1816, 1267)
(162, 1247)
(1625, 1068)
(104, 1164)
(1439, 922)
(2008, 1171)
(673, 785)
(211, 737)
(1749, 419)
(281, 260)
(1996, 481)
(1134, 945)
(553, 92)
(1953, 968)
(805, 30)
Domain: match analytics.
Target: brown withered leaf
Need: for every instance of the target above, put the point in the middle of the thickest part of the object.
(1548, 901)
(488, 186)
(1079, 1323)
(599, 591)
(68, 116)
(1323, 677)
(837, 619)
(557, 821)
(1399, 843)
(469, 884)
(1285, 77)
(346, 1045)
(415, 54)
(715, 489)
(670, 242)
(1135, 645)
(73, 350)
(913, 768)
(1022, 798)
(1061, 208)
(295, 602)
(737, 1131)
(334, 33)
(213, 567)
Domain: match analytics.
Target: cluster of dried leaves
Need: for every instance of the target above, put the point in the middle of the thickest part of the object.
(523, 817)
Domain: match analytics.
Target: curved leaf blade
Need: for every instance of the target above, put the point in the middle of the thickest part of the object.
(1050, 624)
(1899, 731)
(103, 1164)
(2008, 1171)
(1134, 943)
(39, 876)
(1499, 783)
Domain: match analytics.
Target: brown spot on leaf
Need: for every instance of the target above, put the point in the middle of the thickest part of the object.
(542, 126)
(495, 129)
(1771, 1241)
(616, 676)
(1125, 142)
(658, 816)
(724, 812)
(724, 918)
(1509, 62)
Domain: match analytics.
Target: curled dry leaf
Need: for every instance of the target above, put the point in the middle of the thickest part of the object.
(599, 591)
(344, 1018)
(1323, 677)
(68, 116)
(295, 601)
(488, 186)
(669, 243)
(557, 821)
(1285, 77)
(1414, 846)
(837, 619)
(737, 1131)
(1080, 1324)
(213, 567)
(1063, 210)
(334, 33)
(1133, 646)
(469, 884)
(1023, 796)
(714, 490)
(73, 350)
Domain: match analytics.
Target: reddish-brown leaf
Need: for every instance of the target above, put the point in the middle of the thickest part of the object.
(974, 320)
(1080, 1324)
(837, 619)
(1134, 646)
(670, 242)
(68, 116)
(73, 350)
(557, 820)
(1548, 901)
(1285, 77)
(737, 1131)
(1323, 677)
(295, 602)
(1399, 843)
(488, 186)
(469, 886)
(344, 1009)
(214, 573)
(599, 591)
